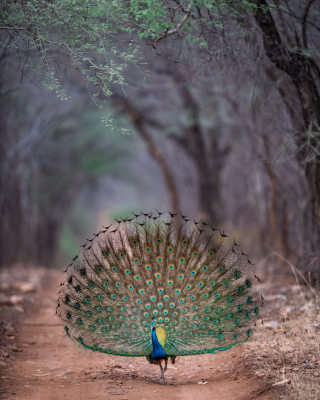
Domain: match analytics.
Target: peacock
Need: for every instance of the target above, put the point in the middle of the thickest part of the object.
(158, 288)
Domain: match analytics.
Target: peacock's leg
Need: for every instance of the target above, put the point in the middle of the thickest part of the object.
(162, 372)
(165, 365)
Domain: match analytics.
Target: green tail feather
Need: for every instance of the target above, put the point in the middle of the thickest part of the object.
(195, 288)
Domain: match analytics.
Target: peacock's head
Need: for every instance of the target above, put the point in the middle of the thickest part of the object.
(153, 323)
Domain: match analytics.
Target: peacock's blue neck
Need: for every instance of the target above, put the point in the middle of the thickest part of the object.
(157, 352)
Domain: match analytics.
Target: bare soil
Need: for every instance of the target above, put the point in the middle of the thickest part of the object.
(38, 361)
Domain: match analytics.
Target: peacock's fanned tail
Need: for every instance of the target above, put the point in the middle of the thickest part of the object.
(195, 287)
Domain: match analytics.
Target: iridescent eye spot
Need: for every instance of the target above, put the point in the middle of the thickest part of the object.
(118, 284)
(158, 275)
(171, 266)
(125, 298)
(127, 272)
(181, 300)
(205, 268)
(113, 296)
(106, 284)
(215, 321)
(205, 295)
(166, 297)
(130, 287)
(158, 241)
(153, 298)
(106, 253)
(159, 259)
(195, 254)
(100, 297)
(211, 253)
(226, 283)
(184, 242)
(192, 297)
(229, 299)
(121, 255)
(123, 309)
(180, 276)
(217, 295)
(236, 320)
(137, 278)
(194, 307)
(99, 269)
(78, 288)
(188, 287)
(88, 299)
(148, 249)
(135, 242)
(193, 273)
(114, 269)
(256, 310)
(182, 260)
(175, 314)
(136, 260)
(217, 309)
(68, 315)
(78, 305)
(235, 336)
(228, 316)
(148, 267)
(91, 285)
(170, 249)
(212, 283)
(200, 284)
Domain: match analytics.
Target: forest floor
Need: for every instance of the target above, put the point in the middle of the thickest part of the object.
(37, 360)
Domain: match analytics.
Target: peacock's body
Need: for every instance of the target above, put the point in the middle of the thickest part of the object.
(158, 289)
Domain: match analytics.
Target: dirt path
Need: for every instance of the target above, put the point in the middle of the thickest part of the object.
(46, 365)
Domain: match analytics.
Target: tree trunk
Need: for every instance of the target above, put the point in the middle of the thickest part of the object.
(299, 68)
(153, 149)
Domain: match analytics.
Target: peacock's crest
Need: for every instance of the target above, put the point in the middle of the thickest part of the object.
(195, 288)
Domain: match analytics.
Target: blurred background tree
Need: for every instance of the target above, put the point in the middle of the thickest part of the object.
(223, 111)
